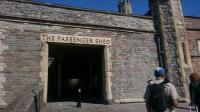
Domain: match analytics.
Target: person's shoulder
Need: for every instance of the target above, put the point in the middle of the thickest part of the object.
(169, 85)
(171, 90)
(194, 84)
(157, 81)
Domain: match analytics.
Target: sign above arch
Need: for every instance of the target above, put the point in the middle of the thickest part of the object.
(59, 38)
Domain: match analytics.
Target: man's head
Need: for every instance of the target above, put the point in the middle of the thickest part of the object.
(159, 72)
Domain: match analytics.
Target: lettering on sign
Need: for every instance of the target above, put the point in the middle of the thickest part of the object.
(75, 39)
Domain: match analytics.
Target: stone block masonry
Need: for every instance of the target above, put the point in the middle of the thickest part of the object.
(133, 51)
(2, 67)
(131, 54)
(169, 22)
(72, 16)
(193, 32)
(132, 43)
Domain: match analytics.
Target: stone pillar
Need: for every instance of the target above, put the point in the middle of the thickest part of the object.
(44, 71)
(3, 81)
(170, 27)
(108, 75)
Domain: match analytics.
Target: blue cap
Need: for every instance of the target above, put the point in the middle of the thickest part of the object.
(159, 71)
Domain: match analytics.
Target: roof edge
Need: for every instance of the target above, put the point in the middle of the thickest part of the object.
(194, 17)
(80, 8)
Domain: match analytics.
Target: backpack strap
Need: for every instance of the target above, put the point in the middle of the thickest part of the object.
(165, 82)
(169, 105)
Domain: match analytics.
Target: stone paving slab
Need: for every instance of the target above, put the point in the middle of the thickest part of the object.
(88, 107)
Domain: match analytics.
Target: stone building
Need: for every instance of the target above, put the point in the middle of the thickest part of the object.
(48, 52)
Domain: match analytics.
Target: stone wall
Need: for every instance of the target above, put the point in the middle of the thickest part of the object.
(72, 16)
(169, 22)
(192, 23)
(133, 49)
(27, 100)
(193, 33)
(162, 14)
(20, 58)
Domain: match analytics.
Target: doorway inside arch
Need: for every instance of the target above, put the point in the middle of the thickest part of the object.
(73, 67)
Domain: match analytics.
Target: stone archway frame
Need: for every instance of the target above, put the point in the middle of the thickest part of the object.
(67, 39)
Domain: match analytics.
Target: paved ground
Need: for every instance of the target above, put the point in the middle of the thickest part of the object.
(87, 107)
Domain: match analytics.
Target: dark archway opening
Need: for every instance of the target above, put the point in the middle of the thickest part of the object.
(72, 67)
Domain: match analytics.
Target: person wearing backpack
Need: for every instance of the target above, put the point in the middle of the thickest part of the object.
(161, 96)
(194, 88)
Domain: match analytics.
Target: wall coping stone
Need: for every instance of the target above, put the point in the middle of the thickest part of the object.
(80, 8)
